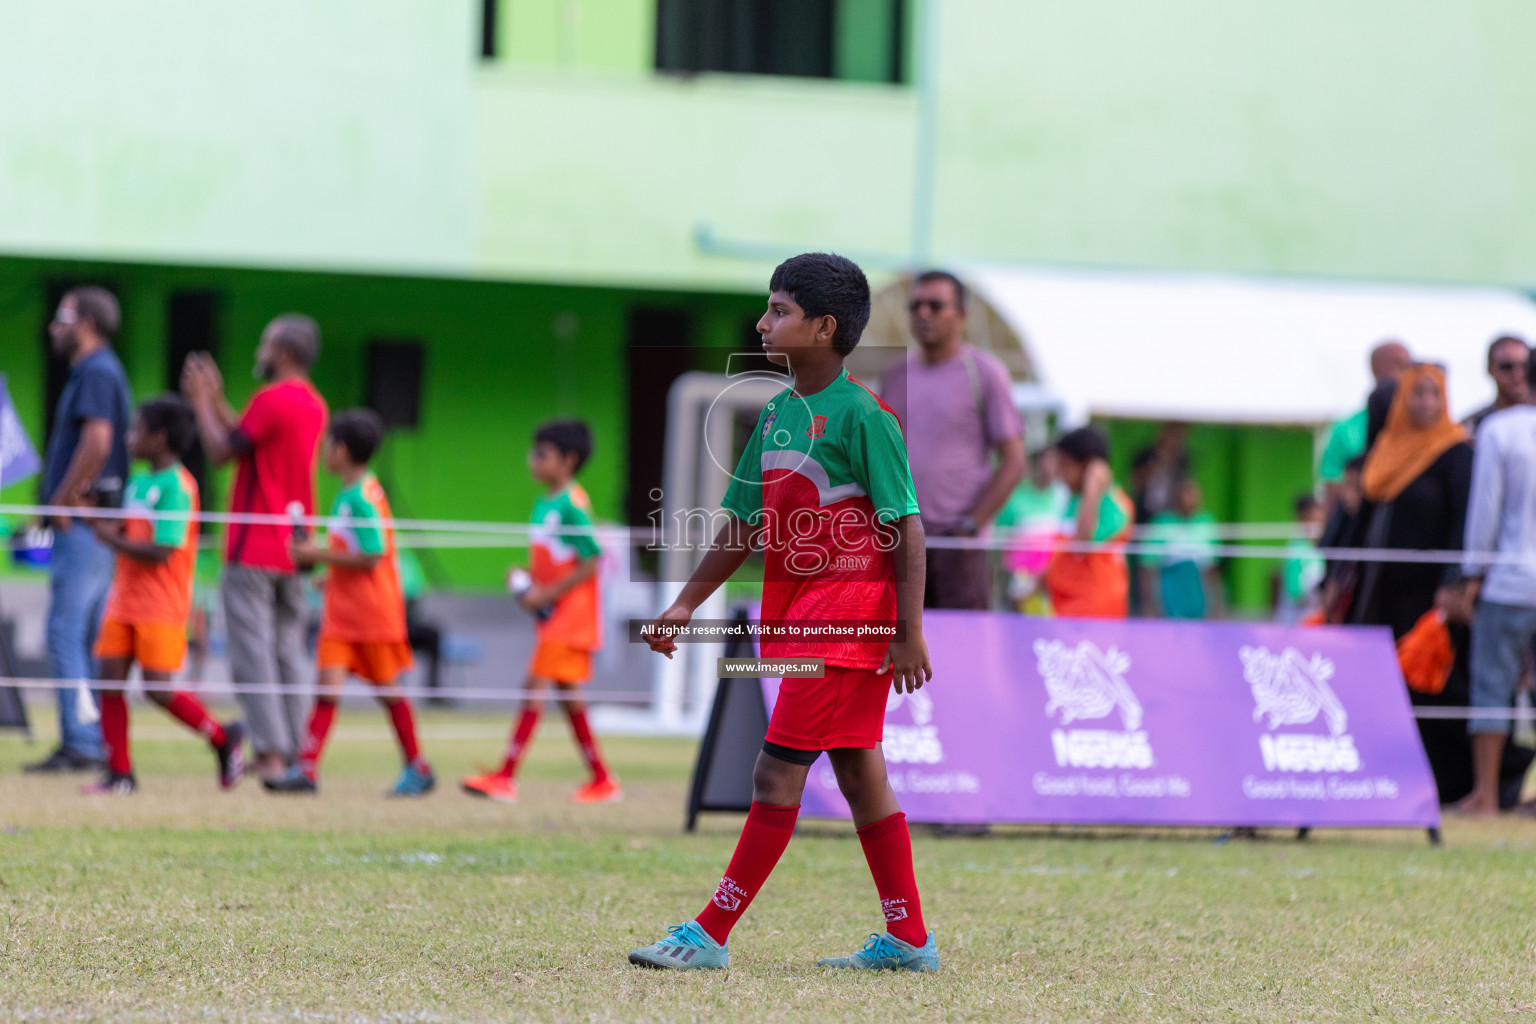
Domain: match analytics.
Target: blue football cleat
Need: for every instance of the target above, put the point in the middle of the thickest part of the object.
(888, 953)
(687, 947)
(414, 781)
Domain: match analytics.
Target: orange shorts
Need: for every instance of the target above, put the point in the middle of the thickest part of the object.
(378, 661)
(156, 646)
(560, 662)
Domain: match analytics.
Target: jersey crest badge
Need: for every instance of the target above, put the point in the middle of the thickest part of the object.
(817, 428)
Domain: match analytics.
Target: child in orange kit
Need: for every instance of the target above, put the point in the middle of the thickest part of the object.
(564, 564)
(362, 626)
(151, 596)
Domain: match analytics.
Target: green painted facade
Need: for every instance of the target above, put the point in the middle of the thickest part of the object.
(500, 359)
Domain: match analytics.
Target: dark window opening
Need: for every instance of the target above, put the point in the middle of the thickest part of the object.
(488, 29)
(758, 37)
(192, 322)
(393, 371)
(659, 341)
(858, 40)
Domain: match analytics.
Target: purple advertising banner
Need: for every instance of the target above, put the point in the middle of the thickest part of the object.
(1079, 721)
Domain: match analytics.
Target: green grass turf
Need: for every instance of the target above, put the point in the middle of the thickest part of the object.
(186, 904)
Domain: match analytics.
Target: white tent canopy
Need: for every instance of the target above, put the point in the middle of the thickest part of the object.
(1239, 350)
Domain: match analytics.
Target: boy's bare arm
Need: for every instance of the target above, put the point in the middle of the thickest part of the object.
(1096, 482)
(907, 660)
(110, 532)
(306, 553)
(726, 553)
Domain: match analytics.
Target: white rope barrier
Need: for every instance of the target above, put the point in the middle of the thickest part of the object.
(418, 693)
(353, 690)
(449, 533)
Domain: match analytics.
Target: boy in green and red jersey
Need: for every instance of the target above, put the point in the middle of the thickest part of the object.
(825, 487)
(564, 559)
(151, 597)
(362, 624)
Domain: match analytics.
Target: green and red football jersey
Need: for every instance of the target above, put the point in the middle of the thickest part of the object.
(820, 474)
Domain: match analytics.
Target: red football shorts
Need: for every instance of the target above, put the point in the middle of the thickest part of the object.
(156, 646)
(844, 708)
(376, 661)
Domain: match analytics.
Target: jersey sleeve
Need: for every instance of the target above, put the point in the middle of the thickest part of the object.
(171, 531)
(744, 497)
(1114, 517)
(878, 458)
(585, 543)
(362, 523)
(262, 416)
(1345, 441)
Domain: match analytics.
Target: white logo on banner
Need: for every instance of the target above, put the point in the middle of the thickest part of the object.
(1085, 683)
(917, 743)
(1290, 689)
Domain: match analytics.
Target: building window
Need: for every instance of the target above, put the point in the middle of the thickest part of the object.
(857, 40)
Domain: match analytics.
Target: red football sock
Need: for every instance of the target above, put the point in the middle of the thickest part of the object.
(888, 849)
(587, 742)
(526, 723)
(114, 730)
(405, 731)
(190, 710)
(762, 843)
(320, 722)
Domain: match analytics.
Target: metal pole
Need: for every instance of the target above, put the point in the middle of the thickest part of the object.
(926, 156)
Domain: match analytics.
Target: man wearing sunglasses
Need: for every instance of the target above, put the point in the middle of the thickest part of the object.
(1507, 360)
(964, 437)
(86, 465)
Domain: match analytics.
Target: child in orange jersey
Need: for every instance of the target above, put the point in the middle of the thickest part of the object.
(362, 627)
(564, 561)
(151, 596)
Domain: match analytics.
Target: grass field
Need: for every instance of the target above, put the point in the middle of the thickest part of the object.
(185, 904)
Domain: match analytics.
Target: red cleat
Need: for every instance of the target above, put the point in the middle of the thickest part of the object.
(491, 785)
(605, 792)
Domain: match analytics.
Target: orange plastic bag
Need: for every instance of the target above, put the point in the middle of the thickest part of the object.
(1426, 655)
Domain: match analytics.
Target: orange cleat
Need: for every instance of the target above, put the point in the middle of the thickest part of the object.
(605, 792)
(491, 785)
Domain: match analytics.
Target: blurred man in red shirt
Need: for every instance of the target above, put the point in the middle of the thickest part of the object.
(275, 445)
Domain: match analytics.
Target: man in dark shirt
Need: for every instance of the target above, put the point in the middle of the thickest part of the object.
(86, 464)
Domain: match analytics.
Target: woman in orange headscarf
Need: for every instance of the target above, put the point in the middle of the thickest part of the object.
(1416, 482)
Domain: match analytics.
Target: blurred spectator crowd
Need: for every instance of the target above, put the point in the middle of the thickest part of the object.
(1397, 476)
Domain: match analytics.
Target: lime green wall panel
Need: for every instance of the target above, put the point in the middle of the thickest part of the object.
(612, 35)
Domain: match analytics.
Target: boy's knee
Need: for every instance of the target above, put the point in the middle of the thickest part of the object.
(776, 782)
(859, 776)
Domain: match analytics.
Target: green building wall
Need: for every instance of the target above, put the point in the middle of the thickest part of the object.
(1248, 474)
(500, 359)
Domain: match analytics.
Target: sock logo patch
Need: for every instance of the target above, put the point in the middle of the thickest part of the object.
(728, 895)
(895, 910)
